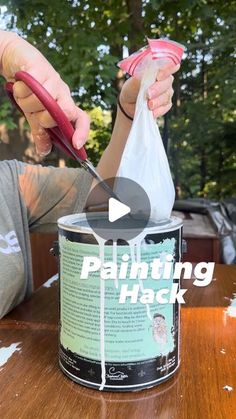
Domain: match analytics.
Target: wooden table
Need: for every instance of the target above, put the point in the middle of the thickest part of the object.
(32, 386)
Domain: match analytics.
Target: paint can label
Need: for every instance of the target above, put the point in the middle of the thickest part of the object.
(141, 340)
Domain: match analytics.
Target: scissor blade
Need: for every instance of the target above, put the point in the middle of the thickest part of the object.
(91, 169)
(87, 165)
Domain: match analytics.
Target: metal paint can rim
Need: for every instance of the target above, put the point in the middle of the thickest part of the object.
(73, 223)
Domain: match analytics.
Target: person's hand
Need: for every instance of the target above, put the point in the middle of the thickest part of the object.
(20, 55)
(159, 95)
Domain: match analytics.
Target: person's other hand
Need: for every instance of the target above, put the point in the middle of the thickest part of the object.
(20, 55)
(159, 95)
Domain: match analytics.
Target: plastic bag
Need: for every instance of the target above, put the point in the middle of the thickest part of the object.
(144, 158)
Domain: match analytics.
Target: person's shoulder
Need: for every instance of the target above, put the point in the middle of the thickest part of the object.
(13, 168)
(9, 173)
(11, 165)
(9, 168)
(19, 167)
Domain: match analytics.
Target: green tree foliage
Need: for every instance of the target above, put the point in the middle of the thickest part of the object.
(85, 39)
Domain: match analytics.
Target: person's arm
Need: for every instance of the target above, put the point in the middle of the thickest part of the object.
(159, 98)
(5, 39)
(110, 160)
(16, 54)
(49, 193)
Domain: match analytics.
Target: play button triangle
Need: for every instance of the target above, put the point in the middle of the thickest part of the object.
(116, 210)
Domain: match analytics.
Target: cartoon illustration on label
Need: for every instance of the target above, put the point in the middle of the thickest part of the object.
(159, 329)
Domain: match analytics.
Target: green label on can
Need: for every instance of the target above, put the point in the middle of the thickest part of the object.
(130, 334)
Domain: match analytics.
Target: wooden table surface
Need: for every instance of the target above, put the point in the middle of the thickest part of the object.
(32, 385)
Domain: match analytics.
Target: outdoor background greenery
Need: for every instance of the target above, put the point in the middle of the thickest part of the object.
(85, 39)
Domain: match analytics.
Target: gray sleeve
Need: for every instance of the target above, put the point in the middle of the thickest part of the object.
(50, 193)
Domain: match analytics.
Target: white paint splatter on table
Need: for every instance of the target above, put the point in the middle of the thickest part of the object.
(7, 351)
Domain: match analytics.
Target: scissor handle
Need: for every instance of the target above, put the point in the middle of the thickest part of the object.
(61, 135)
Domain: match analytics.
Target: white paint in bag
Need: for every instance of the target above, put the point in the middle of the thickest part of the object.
(144, 158)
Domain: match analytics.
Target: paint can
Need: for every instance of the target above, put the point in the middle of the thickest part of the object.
(105, 344)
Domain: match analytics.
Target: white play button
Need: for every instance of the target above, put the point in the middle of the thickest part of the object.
(116, 210)
(125, 217)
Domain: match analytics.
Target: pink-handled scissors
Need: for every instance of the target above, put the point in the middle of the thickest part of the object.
(61, 135)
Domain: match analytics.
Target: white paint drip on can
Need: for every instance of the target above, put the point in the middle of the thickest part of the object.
(101, 244)
(135, 252)
(114, 258)
(7, 351)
